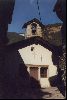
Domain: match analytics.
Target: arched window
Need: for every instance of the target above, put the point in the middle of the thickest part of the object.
(34, 26)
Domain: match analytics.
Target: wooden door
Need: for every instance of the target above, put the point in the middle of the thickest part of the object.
(34, 72)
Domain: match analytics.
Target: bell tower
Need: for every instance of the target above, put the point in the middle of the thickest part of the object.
(33, 28)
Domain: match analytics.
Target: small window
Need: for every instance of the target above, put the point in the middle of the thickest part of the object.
(43, 72)
(34, 28)
(32, 48)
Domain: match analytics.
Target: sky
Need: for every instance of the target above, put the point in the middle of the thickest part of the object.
(26, 10)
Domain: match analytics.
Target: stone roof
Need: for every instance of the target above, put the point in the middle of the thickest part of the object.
(33, 20)
(35, 40)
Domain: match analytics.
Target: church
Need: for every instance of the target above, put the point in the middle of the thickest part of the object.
(37, 53)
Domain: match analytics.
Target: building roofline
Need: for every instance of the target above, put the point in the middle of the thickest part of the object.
(33, 20)
(35, 40)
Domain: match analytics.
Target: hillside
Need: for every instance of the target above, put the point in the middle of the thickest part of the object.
(14, 37)
(52, 34)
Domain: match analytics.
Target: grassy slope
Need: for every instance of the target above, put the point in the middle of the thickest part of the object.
(14, 37)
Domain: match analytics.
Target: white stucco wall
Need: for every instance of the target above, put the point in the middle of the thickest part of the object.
(39, 56)
(44, 82)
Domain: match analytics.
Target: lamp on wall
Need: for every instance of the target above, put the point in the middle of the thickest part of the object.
(33, 51)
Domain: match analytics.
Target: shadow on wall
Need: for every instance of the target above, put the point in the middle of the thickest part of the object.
(34, 83)
(55, 59)
(15, 80)
(53, 80)
(37, 90)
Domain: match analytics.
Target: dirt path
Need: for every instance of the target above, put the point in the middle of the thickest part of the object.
(49, 93)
